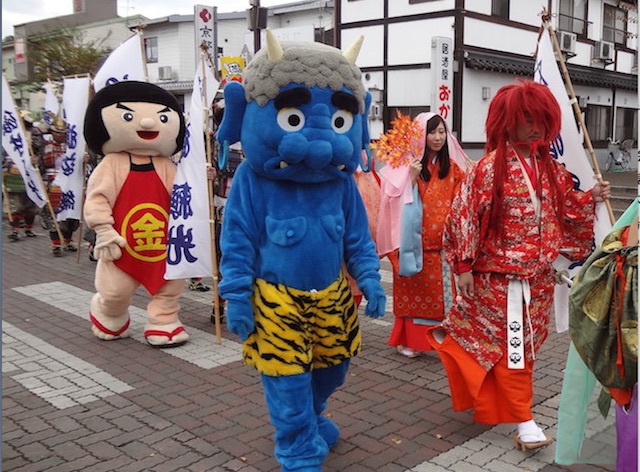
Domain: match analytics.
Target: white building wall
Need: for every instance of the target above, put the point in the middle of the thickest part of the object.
(502, 38)
(410, 42)
(372, 50)
(403, 8)
(361, 10)
(409, 87)
(479, 6)
(231, 36)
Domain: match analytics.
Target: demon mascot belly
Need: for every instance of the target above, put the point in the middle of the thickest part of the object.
(293, 216)
(137, 126)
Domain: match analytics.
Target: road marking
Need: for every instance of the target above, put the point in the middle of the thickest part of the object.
(200, 350)
(59, 378)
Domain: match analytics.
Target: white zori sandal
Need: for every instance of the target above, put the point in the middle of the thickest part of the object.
(530, 437)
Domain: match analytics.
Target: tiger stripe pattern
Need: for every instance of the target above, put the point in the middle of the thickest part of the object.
(297, 331)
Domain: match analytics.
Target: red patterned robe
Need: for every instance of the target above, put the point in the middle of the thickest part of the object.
(475, 351)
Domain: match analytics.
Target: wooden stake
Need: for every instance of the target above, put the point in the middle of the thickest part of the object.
(212, 210)
(576, 107)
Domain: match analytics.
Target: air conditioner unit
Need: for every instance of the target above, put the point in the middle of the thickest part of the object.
(603, 51)
(567, 42)
(165, 73)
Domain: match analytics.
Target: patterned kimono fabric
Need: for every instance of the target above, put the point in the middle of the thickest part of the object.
(475, 352)
(421, 300)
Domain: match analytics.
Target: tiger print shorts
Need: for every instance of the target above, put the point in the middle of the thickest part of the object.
(297, 331)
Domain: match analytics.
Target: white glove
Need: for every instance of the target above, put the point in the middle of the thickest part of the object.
(108, 243)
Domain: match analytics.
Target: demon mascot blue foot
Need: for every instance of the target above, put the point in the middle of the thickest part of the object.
(294, 219)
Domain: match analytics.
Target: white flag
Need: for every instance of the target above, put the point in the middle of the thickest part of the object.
(126, 62)
(70, 176)
(51, 103)
(14, 142)
(189, 240)
(569, 150)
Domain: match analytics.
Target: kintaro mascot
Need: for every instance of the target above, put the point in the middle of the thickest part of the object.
(137, 126)
(293, 217)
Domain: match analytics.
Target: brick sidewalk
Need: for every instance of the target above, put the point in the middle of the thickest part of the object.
(74, 403)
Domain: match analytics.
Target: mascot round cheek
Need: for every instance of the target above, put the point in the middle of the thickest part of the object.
(137, 126)
(293, 220)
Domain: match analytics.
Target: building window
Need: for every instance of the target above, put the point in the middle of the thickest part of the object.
(572, 16)
(626, 124)
(500, 8)
(615, 25)
(151, 49)
(598, 121)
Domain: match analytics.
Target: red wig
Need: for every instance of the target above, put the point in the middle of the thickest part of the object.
(512, 105)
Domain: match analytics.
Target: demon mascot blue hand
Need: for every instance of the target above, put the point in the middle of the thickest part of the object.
(294, 218)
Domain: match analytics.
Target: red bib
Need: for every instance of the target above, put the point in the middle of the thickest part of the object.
(141, 214)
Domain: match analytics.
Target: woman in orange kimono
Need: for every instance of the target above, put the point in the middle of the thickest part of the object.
(516, 209)
(421, 300)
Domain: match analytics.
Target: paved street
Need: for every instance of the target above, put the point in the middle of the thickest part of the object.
(71, 402)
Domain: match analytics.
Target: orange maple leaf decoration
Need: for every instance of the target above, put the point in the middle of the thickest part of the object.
(398, 146)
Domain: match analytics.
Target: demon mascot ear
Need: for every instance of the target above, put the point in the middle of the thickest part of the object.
(293, 220)
(137, 126)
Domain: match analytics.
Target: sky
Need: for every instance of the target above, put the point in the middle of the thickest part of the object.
(17, 12)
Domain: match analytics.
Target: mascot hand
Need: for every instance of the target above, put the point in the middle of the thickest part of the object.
(108, 243)
(376, 299)
(240, 318)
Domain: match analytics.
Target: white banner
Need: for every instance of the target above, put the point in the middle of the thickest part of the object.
(15, 144)
(126, 62)
(205, 31)
(190, 238)
(51, 103)
(569, 150)
(442, 63)
(70, 176)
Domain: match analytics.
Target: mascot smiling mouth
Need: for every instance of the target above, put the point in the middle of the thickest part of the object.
(148, 134)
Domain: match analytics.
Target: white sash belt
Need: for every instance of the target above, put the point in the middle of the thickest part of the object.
(519, 292)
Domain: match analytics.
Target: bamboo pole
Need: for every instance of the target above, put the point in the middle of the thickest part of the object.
(212, 210)
(84, 186)
(546, 17)
(139, 29)
(6, 204)
(81, 225)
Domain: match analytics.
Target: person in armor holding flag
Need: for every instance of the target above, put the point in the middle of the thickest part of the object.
(53, 151)
(23, 210)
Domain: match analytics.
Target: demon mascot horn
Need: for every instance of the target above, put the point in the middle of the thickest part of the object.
(294, 218)
(137, 126)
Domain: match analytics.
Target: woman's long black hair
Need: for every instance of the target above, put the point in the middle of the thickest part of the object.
(443, 154)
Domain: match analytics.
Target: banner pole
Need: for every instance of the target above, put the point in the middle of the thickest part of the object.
(212, 210)
(575, 106)
(7, 205)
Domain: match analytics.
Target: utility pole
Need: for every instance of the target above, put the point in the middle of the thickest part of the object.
(256, 21)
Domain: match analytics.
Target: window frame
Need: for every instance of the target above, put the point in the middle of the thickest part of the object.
(612, 33)
(151, 47)
(598, 127)
(500, 9)
(571, 19)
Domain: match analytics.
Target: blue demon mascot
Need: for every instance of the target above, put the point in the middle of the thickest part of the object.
(294, 220)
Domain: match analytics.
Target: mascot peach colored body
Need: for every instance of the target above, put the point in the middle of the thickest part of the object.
(137, 126)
